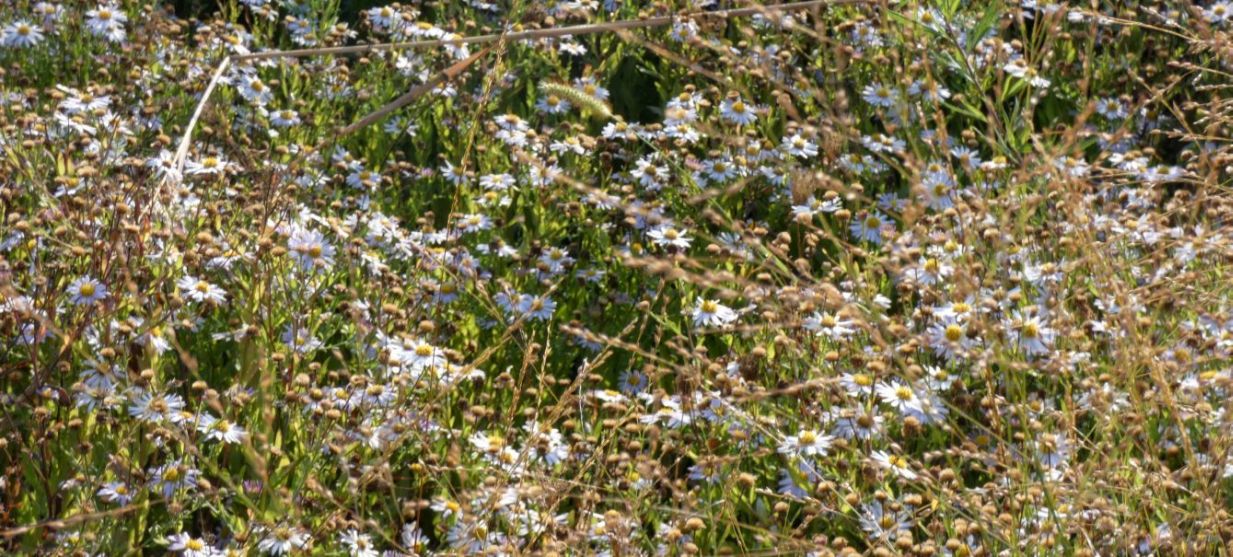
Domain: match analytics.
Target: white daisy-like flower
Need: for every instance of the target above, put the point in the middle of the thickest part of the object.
(359, 544)
(949, 339)
(667, 235)
(86, 290)
(880, 95)
(737, 111)
(895, 463)
(798, 146)
(899, 396)
(830, 325)
(310, 249)
(199, 290)
(1031, 333)
(116, 492)
(806, 443)
(283, 540)
(710, 313)
(217, 429)
(207, 166)
(20, 34)
(189, 546)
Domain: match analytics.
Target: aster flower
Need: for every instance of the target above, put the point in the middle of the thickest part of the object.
(173, 477)
(667, 235)
(284, 118)
(310, 249)
(217, 429)
(830, 325)
(283, 540)
(116, 492)
(949, 339)
(900, 396)
(806, 443)
(736, 111)
(858, 424)
(896, 464)
(20, 34)
(812, 206)
(552, 104)
(880, 95)
(154, 407)
(358, 544)
(300, 339)
(107, 21)
(85, 291)
(710, 313)
(881, 523)
(208, 166)
(1031, 333)
(535, 307)
(798, 146)
(869, 227)
(189, 546)
(255, 91)
(632, 382)
(857, 385)
(201, 291)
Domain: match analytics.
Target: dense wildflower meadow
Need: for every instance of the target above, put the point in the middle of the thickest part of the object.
(599, 277)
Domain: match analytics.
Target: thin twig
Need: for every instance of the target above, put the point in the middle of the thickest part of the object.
(182, 150)
(415, 92)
